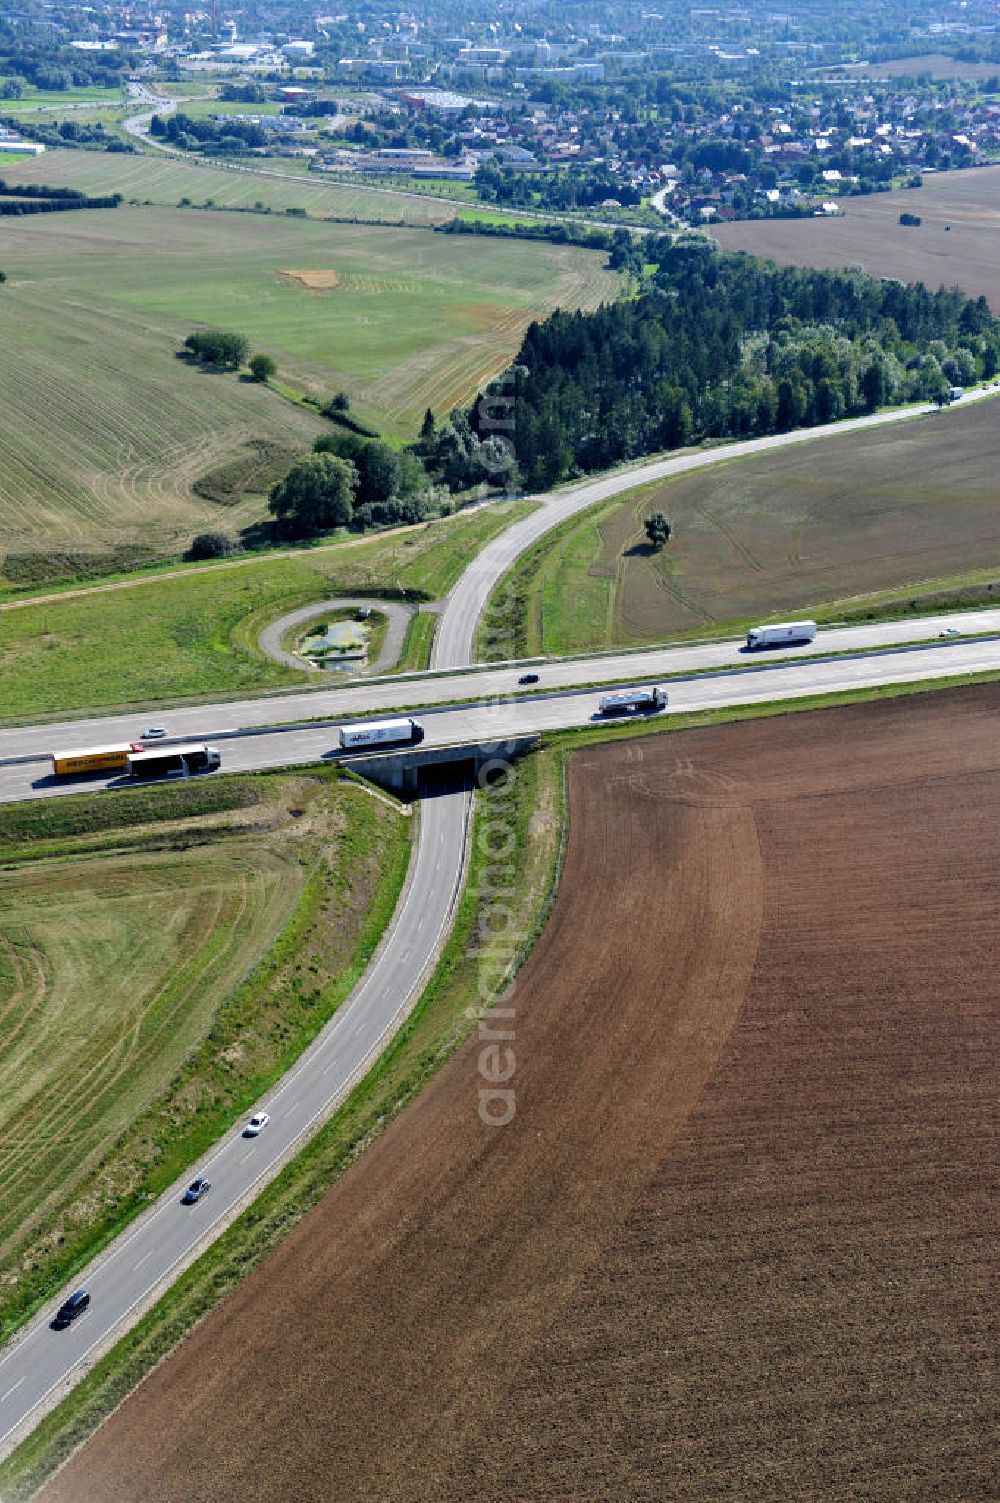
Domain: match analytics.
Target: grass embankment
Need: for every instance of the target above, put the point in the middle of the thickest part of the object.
(532, 817)
(416, 653)
(833, 528)
(195, 635)
(166, 954)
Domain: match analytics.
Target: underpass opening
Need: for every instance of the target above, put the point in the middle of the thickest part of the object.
(436, 778)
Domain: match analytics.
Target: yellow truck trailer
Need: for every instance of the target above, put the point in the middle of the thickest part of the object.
(77, 764)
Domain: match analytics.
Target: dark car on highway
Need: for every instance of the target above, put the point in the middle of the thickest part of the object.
(70, 1309)
(528, 678)
(196, 1190)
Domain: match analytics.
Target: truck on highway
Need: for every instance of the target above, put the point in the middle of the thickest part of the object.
(787, 634)
(174, 761)
(77, 764)
(403, 732)
(644, 700)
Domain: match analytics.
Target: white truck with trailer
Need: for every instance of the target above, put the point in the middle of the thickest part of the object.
(174, 761)
(787, 634)
(642, 701)
(402, 732)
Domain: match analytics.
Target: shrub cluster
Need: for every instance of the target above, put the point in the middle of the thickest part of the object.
(218, 347)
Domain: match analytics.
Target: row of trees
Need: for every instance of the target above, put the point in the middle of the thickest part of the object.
(228, 137)
(70, 133)
(725, 345)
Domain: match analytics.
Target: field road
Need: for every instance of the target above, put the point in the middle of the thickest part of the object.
(40, 1365)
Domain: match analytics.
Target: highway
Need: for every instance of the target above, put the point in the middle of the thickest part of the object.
(225, 722)
(40, 1365)
(512, 712)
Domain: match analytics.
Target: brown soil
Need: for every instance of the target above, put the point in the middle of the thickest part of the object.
(956, 245)
(734, 1244)
(316, 281)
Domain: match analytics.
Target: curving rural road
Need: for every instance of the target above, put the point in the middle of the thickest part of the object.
(39, 1366)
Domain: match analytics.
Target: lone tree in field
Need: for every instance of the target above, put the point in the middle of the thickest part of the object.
(658, 529)
(263, 367)
(315, 495)
(217, 347)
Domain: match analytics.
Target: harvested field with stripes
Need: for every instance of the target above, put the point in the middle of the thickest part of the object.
(735, 1240)
(146, 992)
(165, 180)
(106, 432)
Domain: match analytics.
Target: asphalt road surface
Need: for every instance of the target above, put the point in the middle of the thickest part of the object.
(227, 720)
(522, 712)
(40, 1365)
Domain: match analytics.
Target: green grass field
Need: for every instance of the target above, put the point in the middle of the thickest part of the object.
(32, 98)
(105, 431)
(822, 528)
(156, 974)
(195, 634)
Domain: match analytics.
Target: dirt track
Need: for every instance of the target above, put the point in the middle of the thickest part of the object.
(735, 1243)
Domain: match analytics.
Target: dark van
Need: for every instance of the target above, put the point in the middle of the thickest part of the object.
(70, 1309)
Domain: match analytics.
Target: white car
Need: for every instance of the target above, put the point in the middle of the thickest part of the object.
(154, 733)
(256, 1125)
(950, 631)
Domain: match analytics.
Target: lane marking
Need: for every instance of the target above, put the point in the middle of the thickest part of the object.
(13, 1389)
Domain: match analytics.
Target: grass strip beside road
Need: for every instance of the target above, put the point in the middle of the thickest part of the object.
(535, 817)
(416, 654)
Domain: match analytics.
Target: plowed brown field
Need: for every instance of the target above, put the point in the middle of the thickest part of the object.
(955, 245)
(735, 1242)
